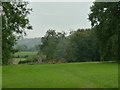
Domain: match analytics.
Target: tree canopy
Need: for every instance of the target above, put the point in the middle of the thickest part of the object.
(97, 43)
(80, 45)
(105, 17)
(14, 24)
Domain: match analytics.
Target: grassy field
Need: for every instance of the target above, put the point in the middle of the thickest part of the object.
(25, 53)
(71, 75)
(22, 56)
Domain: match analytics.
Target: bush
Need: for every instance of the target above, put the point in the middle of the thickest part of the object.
(54, 61)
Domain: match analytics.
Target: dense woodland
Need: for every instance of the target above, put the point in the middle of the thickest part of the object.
(99, 43)
(80, 45)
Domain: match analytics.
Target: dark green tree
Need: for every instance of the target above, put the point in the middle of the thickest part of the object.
(83, 46)
(14, 24)
(62, 45)
(80, 45)
(49, 42)
(0, 36)
(105, 17)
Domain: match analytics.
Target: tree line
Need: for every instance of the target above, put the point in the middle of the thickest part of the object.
(80, 45)
(98, 43)
(25, 48)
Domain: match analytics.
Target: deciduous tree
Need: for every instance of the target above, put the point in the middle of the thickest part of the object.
(105, 17)
(14, 23)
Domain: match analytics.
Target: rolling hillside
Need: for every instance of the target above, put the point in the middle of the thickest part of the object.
(28, 42)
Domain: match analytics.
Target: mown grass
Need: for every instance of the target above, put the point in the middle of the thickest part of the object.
(68, 75)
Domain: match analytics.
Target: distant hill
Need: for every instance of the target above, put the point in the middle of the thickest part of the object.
(29, 42)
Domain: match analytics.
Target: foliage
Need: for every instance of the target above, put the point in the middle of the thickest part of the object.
(60, 52)
(14, 23)
(50, 42)
(105, 17)
(80, 45)
(0, 39)
(83, 46)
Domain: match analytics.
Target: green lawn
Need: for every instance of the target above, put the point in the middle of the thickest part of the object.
(71, 75)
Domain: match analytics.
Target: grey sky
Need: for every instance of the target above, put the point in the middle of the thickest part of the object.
(61, 16)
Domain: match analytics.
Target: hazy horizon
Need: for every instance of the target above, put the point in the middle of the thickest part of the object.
(61, 16)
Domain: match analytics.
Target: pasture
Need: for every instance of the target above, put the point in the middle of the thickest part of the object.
(67, 75)
(25, 53)
(21, 56)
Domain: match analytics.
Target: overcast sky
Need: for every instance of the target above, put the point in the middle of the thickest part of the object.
(61, 16)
